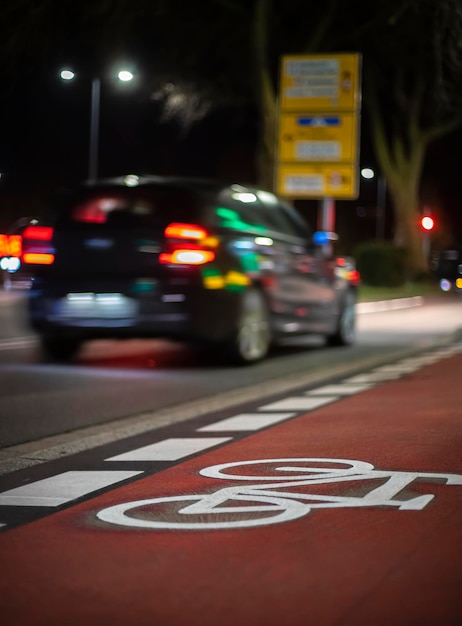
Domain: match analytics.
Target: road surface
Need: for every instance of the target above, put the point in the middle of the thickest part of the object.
(337, 504)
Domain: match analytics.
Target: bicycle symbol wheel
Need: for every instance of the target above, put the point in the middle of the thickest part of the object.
(288, 468)
(281, 509)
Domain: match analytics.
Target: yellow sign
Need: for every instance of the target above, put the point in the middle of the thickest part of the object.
(320, 82)
(318, 126)
(317, 137)
(317, 180)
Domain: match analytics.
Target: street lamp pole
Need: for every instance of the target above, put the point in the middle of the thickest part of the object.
(94, 129)
(124, 76)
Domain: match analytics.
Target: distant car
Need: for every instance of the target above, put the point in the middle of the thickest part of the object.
(14, 242)
(227, 265)
(346, 268)
(448, 269)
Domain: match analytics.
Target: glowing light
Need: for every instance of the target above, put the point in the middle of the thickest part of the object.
(132, 180)
(14, 264)
(125, 76)
(67, 74)
(231, 219)
(366, 172)
(445, 284)
(236, 278)
(4, 248)
(184, 231)
(320, 238)
(264, 241)
(187, 257)
(193, 257)
(267, 196)
(109, 298)
(243, 245)
(212, 278)
(214, 282)
(15, 245)
(80, 297)
(10, 264)
(43, 233)
(245, 197)
(38, 258)
(427, 222)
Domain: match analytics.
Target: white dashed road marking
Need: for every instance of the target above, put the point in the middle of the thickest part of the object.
(401, 369)
(170, 449)
(341, 389)
(297, 403)
(247, 421)
(62, 488)
(374, 377)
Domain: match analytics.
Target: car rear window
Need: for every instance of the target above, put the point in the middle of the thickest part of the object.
(121, 208)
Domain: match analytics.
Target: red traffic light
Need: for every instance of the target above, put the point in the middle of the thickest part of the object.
(427, 223)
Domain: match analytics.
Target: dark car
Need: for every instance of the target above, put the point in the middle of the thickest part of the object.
(448, 269)
(225, 265)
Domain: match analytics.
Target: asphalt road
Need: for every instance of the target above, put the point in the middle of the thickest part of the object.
(136, 385)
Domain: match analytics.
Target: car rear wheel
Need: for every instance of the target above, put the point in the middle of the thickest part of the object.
(252, 338)
(58, 348)
(345, 332)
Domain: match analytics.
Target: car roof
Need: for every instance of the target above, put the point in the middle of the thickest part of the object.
(190, 182)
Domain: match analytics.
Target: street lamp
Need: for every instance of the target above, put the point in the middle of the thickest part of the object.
(124, 76)
(369, 173)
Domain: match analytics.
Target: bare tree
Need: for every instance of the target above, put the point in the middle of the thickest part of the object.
(412, 75)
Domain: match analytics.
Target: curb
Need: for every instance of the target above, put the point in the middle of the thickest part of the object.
(389, 305)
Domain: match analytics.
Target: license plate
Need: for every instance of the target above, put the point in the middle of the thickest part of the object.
(96, 305)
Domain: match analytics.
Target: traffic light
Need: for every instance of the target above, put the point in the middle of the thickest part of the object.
(427, 223)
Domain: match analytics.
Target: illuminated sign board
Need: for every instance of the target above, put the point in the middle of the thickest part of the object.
(317, 181)
(320, 83)
(318, 126)
(318, 137)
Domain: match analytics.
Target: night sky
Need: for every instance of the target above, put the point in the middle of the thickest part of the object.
(45, 142)
(45, 145)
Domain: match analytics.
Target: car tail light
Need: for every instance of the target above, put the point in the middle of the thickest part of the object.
(177, 230)
(187, 244)
(187, 256)
(38, 258)
(39, 233)
(36, 245)
(355, 278)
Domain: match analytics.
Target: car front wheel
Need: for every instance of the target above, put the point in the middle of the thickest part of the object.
(345, 332)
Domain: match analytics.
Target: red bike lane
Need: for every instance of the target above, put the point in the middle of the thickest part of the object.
(353, 516)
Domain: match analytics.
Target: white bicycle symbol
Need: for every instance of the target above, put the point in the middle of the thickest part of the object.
(229, 509)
